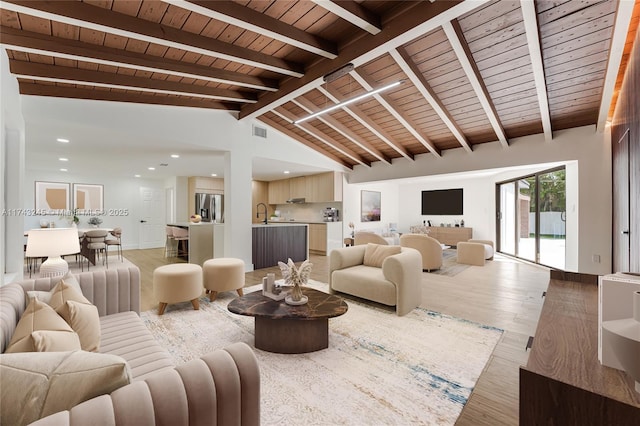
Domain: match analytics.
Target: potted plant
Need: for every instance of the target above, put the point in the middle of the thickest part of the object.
(94, 221)
(71, 216)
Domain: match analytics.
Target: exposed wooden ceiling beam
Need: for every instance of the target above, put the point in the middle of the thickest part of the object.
(106, 95)
(249, 19)
(370, 125)
(412, 71)
(623, 18)
(413, 23)
(286, 131)
(310, 107)
(367, 82)
(353, 13)
(70, 75)
(41, 44)
(99, 19)
(533, 41)
(461, 48)
(321, 136)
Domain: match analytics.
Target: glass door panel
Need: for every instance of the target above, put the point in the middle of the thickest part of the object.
(527, 218)
(552, 235)
(506, 217)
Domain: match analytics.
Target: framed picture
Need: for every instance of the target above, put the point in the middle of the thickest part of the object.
(370, 206)
(51, 198)
(88, 198)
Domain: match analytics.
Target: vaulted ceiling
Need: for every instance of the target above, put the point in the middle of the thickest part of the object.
(470, 72)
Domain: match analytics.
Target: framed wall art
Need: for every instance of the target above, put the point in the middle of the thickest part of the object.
(370, 206)
(88, 198)
(51, 197)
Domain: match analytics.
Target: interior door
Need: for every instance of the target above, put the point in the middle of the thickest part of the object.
(152, 213)
(621, 205)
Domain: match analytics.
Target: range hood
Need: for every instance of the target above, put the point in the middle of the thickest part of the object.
(296, 200)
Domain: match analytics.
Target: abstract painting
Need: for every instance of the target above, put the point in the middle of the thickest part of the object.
(51, 197)
(370, 206)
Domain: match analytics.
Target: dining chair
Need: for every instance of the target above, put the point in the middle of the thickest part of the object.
(116, 233)
(79, 254)
(96, 242)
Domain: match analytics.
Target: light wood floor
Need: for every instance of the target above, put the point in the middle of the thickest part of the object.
(504, 293)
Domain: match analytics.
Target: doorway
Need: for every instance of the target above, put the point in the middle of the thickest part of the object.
(531, 217)
(152, 224)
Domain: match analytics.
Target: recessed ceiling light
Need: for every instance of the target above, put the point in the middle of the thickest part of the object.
(175, 156)
(63, 140)
(214, 174)
(286, 172)
(151, 168)
(136, 175)
(63, 159)
(63, 170)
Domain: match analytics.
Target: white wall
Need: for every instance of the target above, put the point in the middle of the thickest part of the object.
(390, 205)
(591, 193)
(119, 194)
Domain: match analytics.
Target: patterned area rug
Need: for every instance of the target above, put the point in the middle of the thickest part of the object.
(379, 369)
(450, 266)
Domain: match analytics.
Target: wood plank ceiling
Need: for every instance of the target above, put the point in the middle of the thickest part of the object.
(471, 72)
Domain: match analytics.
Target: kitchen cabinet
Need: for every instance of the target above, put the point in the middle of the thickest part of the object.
(298, 187)
(206, 185)
(318, 238)
(279, 242)
(279, 191)
(324, 187)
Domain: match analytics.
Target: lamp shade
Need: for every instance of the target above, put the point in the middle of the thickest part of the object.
(52, 242)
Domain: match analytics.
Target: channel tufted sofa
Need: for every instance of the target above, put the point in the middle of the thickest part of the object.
(222, 387)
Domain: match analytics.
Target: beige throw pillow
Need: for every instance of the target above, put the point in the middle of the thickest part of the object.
(41, 317)
(37, 385)
(45, 296)
(79, 313)
(375, 254)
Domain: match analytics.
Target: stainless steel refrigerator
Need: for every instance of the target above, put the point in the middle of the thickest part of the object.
(210, 207)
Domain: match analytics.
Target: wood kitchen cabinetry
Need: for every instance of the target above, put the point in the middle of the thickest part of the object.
(320, 188)
(318, 238)
(279, 191)
(450, 236)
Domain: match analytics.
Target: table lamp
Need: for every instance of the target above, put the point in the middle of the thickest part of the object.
(52, 243)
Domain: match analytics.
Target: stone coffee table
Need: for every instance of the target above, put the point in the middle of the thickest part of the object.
(288, 329)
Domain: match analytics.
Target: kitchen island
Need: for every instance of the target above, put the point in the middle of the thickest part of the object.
(206, 240)
(278, 242)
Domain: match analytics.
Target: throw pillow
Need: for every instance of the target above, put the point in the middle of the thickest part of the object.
(375, 254)
(40, 316)
(45, 296)
(79, 313)
(37, 385)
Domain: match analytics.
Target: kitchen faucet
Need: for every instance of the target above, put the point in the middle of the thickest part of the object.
(265, 212)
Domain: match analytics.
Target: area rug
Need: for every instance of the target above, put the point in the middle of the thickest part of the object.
(379, 369)
(450, 266)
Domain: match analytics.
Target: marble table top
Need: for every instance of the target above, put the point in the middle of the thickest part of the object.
(320, 305)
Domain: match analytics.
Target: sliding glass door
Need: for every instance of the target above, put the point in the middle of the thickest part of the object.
(531, 217)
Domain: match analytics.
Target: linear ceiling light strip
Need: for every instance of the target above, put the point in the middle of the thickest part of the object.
(348, 102)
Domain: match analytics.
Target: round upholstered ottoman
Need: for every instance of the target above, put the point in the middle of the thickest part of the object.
(223, 274)
(178, 282)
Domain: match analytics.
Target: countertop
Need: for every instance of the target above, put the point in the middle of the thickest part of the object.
(276, 224)
(299, 221)
(187, 224)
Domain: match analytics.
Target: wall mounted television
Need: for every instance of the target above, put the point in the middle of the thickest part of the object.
(445, 202)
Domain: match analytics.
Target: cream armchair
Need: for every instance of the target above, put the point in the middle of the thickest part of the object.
(397, 282)
(429, 248)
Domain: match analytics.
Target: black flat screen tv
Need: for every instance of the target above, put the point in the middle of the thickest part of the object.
(442, 202)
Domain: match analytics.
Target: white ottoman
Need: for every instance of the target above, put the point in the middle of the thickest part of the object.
(178, 282)
(223, 274)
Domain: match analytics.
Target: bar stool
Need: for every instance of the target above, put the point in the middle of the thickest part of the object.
(181, 235)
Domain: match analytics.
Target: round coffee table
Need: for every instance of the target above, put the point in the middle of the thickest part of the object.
(289, 329)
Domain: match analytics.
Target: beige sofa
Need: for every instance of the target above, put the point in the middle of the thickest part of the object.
(396, 282)
(429, 248)
(222, 387)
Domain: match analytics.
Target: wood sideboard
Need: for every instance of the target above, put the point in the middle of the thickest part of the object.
(563, 382)
(450, 236)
